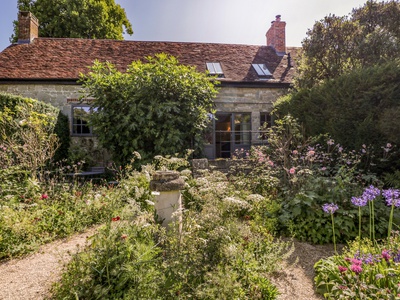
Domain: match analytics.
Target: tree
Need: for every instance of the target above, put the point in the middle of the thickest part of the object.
(156, 108)
(94, 19)
(337, 45)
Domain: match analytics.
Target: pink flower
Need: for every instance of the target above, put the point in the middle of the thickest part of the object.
(342, 269)
(356, 261)
(310, 153)
(295, 152)
(44, 196)
(386, 254)
(292, 171)
(356, 269)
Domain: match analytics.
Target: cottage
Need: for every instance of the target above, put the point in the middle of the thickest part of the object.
(252, 77)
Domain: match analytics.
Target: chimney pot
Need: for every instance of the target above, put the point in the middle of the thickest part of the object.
(28, 27)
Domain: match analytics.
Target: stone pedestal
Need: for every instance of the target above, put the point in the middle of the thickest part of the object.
(167, 201)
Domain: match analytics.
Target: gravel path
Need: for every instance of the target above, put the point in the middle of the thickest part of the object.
(31, 277)
(296, 280)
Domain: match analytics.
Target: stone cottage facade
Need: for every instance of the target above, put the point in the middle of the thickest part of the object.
(252, 77)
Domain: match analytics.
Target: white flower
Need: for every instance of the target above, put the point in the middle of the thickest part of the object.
(149, 202)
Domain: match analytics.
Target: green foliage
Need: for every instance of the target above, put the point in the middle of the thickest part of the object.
(336, 45)
(355, 109)
(61, 129)
(221, 250)
(305, 173)
(121, 262)
(30, 133)
(156, 108)
(377, 278)
(89, 19)
(36, 212)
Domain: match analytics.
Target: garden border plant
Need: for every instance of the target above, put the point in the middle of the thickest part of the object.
(368, 268)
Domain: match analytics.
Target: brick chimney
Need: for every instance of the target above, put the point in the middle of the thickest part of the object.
(276, 35)
(28, 27)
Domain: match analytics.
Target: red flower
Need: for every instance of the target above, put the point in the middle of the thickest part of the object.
(117, 218)
(44, 196)
(124, 236)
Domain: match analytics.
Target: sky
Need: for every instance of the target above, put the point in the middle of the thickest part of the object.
(210, 21)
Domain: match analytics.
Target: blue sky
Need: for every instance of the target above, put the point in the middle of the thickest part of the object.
(215, 21)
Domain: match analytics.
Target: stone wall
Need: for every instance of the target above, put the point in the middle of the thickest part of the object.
(54, 94)
(247, 100)
(229, 99)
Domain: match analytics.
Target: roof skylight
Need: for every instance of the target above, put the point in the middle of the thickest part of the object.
(215, 69)
(262, 70)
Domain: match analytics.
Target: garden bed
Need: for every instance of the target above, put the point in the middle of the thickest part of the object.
(30, 278)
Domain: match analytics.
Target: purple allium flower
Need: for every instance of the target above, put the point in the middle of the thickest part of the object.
(392, 197)
(359, 201)
(329, 208)
(330, 142)
(371, 192)
(342, 269)
(370, 259)
(356, 269)
(396, 258)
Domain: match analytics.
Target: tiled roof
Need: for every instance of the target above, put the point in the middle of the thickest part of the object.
(66, 58)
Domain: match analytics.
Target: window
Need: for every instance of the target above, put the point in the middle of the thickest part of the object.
(266, 122)
(262, 70)
(215, 69)
(242, 128)
(80, 119)
(266, 117)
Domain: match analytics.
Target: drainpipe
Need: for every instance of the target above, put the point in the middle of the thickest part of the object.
(166, 186)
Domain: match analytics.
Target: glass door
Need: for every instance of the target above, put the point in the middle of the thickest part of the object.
(232, 131)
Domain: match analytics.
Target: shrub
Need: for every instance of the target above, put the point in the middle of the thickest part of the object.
(30, 132)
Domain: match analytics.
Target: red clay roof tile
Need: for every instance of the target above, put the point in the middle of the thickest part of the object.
(66, 58)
